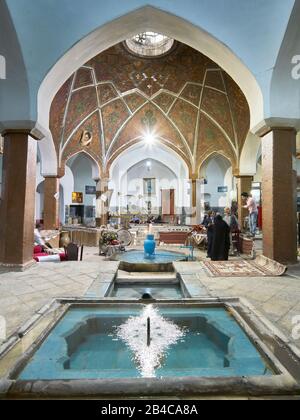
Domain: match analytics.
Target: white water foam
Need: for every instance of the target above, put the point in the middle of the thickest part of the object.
(164, 334)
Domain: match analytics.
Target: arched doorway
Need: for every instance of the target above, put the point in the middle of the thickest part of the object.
(78, 200)
(216, 183)
(130, 170)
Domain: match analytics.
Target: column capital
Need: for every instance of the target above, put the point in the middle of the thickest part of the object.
(239, 176)
(58, 176)
(272, 124)
(7, 132)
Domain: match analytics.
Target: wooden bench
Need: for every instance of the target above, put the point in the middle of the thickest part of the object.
(174, 238)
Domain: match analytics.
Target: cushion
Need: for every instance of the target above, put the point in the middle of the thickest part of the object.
(49, 258)
(37, 249)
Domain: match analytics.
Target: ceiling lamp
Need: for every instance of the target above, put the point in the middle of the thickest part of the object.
(149, 139)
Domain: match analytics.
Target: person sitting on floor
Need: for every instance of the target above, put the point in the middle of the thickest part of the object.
(136, 220)
(221, 241)
(39, 241)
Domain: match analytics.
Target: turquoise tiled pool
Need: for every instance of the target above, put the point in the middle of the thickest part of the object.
(156, 290)
(83, 345)
(160, 257)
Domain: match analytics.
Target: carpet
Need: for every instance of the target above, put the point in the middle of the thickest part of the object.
(258, 268)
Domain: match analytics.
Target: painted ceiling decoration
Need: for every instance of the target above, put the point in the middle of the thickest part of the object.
(183, 98)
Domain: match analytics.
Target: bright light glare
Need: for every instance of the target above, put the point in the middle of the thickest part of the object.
(149, 139)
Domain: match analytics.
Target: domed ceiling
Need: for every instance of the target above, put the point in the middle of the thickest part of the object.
(183, 98)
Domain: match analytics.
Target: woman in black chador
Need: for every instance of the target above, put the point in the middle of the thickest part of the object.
(221, 240)
(208, 223)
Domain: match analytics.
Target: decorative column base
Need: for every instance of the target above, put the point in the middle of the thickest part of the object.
(16, 268)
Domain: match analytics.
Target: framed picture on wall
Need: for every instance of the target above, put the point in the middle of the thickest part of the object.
(90, 190)
(77, 198)
(222, 189)
(149, 186)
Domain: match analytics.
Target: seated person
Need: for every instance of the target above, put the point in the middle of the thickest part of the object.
(150, 219)
(158, 220)
(39, 241)
(135, 220)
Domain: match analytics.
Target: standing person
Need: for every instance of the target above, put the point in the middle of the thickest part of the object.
(208, 223)
(233, 224)
(221, 240)
(251, 206)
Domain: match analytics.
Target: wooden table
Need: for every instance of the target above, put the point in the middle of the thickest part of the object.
(83, 236)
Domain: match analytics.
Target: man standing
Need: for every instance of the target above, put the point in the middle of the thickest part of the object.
(253, 212)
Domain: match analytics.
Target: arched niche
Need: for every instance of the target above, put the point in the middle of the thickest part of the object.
(215, 173)
(141, 152)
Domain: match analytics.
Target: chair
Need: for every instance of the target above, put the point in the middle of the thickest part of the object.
(72, 252)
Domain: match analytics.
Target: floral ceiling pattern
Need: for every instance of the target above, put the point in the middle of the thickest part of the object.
(183, 98)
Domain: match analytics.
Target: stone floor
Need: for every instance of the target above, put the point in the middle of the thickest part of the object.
(22, 294)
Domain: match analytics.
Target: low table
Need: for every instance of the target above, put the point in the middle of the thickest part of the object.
(174, 238)
(84, 236)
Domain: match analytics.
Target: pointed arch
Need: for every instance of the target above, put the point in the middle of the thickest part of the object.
(248, 159)
(124, 27)
(153, 154)
(96, 170)
(210, 156)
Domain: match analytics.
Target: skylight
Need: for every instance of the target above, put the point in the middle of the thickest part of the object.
(150, 44)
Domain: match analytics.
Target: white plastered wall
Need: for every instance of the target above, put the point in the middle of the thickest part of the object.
(140, 153)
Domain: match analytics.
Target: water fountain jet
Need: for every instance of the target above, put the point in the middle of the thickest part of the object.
(149, 355)
(148, 332)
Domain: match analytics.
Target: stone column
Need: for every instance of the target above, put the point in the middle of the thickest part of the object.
(51, 203)
(194, 193)
(194, 200)
(279, 195)
(101, 205)
(244, 184)
(17, 209)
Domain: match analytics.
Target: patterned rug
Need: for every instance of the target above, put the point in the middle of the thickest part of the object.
(244, 268)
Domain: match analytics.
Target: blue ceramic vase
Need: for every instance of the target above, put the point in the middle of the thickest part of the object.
(149, 245)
